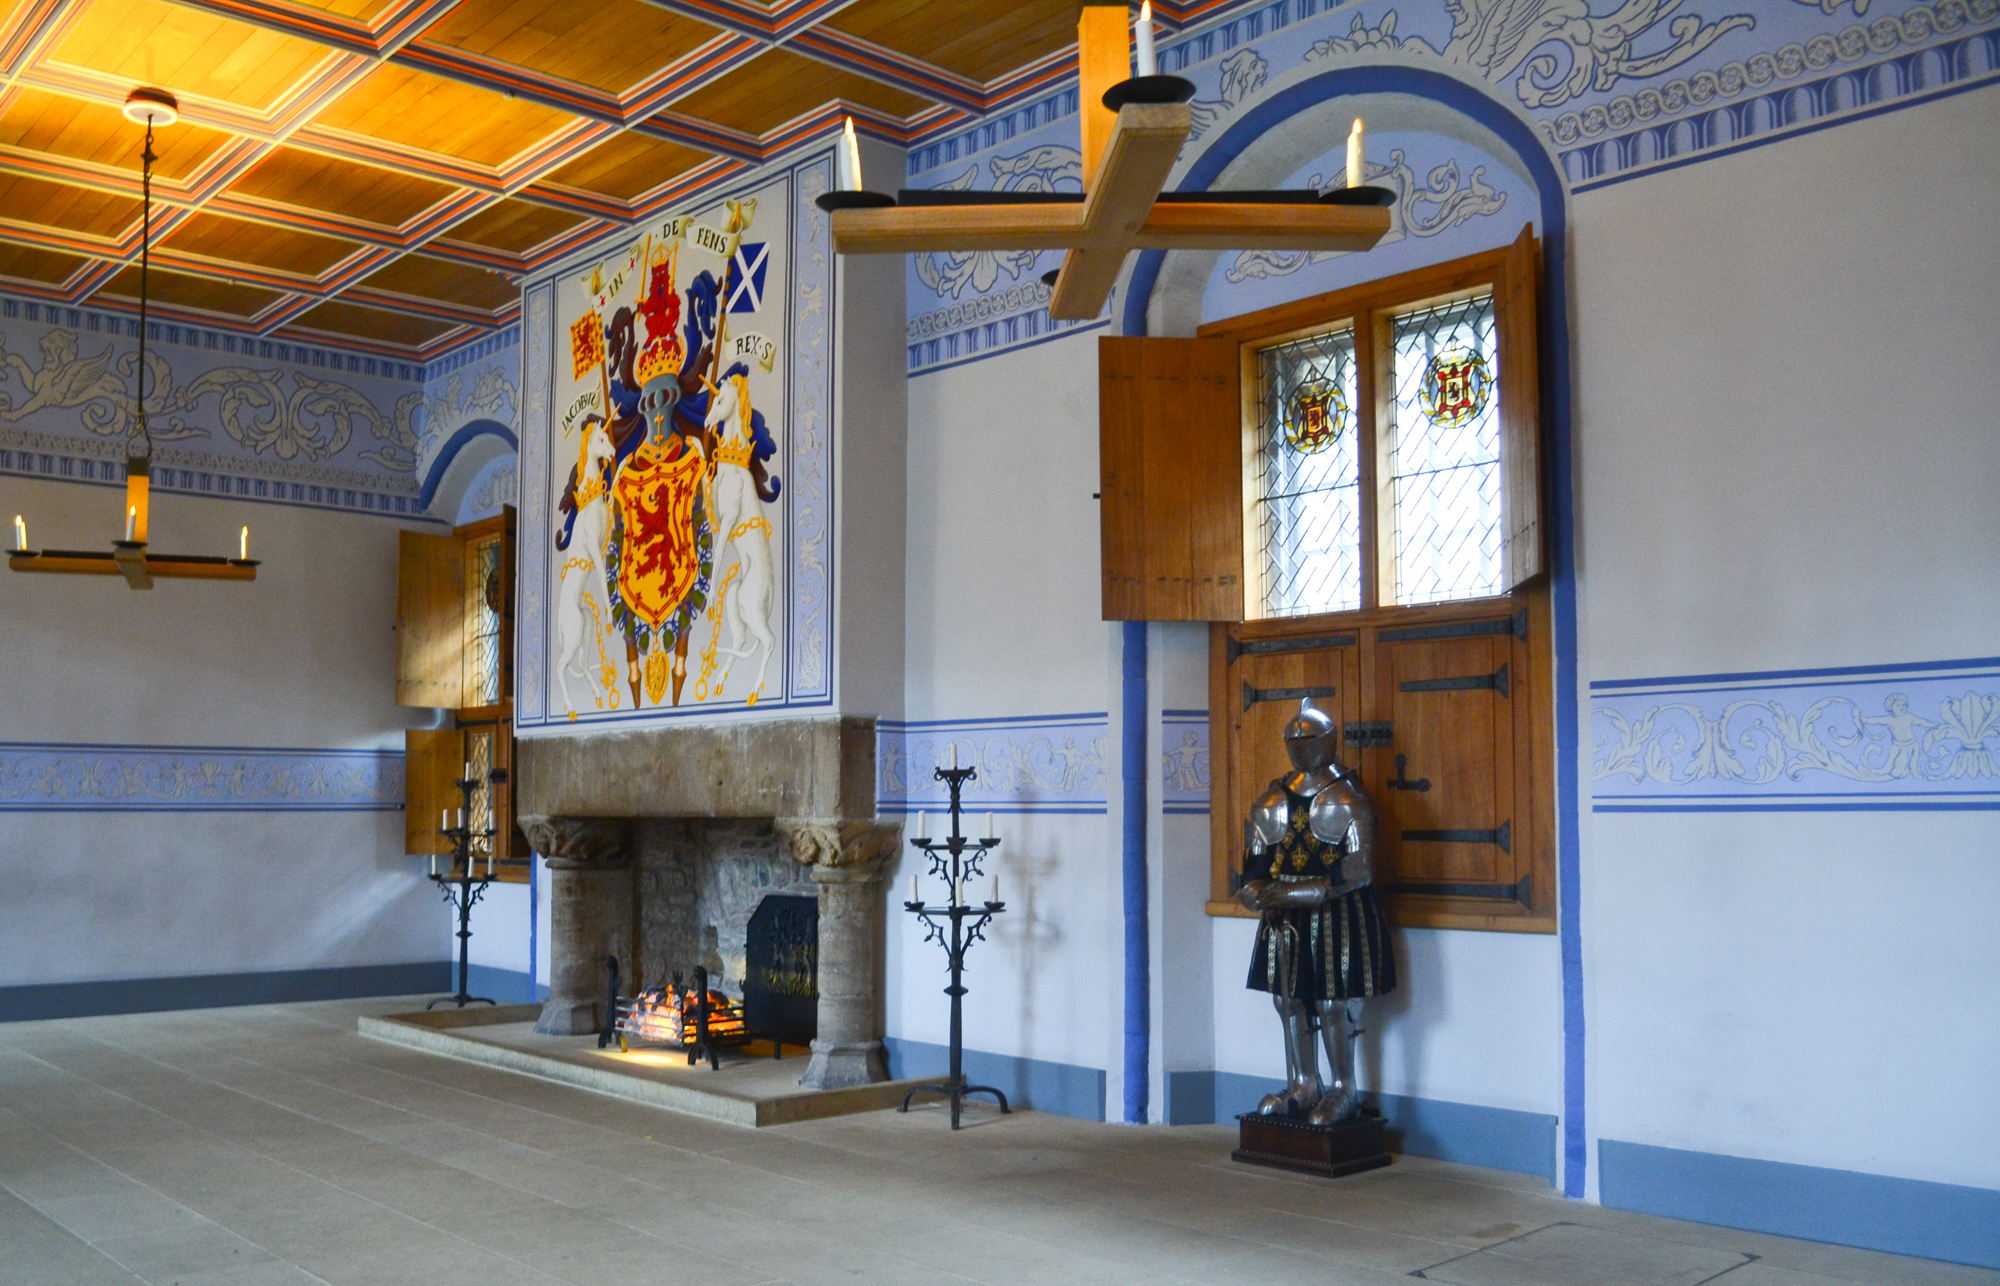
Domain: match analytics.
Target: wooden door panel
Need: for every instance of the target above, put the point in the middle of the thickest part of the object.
(1445, 785)
(432, 760)
(430, 620)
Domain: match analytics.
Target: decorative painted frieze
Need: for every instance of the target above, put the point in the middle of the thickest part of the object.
(1027, 764)
(1877, 737)
(59, 777)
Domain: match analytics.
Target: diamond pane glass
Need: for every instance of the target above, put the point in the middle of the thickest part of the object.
(1444, 454)
(1308, 510)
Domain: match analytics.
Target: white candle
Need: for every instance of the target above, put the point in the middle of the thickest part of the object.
(996, 888)
(489, 864)
(1149, 64)
(853, 172)
(131, 520)
(954, 754)
(444, 819)
(990, 832)
(20, 533)
(1354, 178)
(923, 825)
(467, 774)
(461, 817)
(243, 547)
(913, 887)
(434, 865)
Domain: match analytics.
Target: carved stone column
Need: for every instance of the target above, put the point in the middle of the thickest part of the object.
(590, 915)
(846, 857)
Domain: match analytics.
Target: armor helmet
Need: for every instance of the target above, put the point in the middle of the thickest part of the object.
(1312, 738)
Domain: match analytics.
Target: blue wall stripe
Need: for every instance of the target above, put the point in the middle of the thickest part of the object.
(1555, 367)
(1766, 676)
(218, 990)
(1899, 806)
(1876, 1211)
(1138, 951)
(1062, 1088)
(508, 986)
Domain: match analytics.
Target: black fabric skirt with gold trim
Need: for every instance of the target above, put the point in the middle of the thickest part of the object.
(1338, 950)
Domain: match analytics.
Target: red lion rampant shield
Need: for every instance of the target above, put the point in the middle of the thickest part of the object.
(656, 494)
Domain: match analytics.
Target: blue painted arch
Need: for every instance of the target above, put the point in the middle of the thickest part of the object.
(441, 463)
(1542, 170)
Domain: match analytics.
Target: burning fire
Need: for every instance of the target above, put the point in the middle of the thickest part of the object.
(667, 1015)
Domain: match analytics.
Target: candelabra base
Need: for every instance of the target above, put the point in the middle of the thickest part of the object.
(461, 1000)
(956, 1090)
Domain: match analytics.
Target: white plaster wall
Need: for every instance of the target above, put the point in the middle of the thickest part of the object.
(1787, 361)
(1003, 619)
(303, 657)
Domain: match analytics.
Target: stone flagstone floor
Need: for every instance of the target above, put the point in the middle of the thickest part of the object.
(250, 1147)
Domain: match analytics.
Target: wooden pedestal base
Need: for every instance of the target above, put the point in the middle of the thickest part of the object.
(1350, 1147)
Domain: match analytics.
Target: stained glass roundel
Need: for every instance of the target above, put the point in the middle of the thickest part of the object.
(1457, 385)
(1315, 416)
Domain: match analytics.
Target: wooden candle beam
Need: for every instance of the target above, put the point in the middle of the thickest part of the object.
(1127, 158)
(137, 567)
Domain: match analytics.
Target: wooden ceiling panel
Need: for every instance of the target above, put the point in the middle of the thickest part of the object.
(983, 43)
(371, 323)
(560, 37)
(32, 263)
(429, 278)
(211, 294)
(327, 183)
(364, 10)
(70, 209)
(240, 241)
(79, 131)
(188, 51)
(626, 165)
(513, 225)
(776, 86)
(416, 109)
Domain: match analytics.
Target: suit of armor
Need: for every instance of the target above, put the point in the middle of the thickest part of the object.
(1322, 944)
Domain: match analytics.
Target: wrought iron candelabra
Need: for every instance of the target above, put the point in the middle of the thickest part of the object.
(465, 888)
(957, 860)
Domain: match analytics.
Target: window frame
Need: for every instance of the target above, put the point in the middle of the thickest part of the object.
(1370, 310)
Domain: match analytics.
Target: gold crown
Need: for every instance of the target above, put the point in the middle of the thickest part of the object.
(661, 357)
(734, 451)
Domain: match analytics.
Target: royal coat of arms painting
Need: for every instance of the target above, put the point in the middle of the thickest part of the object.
(670, 455)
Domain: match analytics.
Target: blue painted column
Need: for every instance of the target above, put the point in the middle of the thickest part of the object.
(1138, 946)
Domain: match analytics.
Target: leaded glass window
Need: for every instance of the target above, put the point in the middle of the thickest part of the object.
(1442, 494)
(1307, 515)
(482, 622)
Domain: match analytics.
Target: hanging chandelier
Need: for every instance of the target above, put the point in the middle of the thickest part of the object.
(129, 557)
(1133, 127)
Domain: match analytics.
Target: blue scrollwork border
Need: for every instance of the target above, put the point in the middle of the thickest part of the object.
(60, 777)
(1886, 737)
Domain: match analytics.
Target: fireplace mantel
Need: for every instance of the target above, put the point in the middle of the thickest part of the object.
(808, 768)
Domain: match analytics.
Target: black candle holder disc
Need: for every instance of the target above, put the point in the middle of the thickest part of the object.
(1149, 89)
(1358, 196)
(851, 200)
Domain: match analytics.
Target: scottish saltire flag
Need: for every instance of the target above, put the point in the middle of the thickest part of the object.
(746, 276)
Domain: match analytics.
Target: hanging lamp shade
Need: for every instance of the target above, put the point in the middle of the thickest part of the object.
(148, 106)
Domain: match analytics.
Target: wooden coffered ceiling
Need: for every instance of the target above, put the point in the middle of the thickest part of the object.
(381, 173)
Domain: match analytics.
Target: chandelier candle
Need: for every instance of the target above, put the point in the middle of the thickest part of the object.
(20, 534)
(1354, 179)
(1149, 63)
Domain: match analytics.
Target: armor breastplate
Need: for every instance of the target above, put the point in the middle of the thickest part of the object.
(1302, 854)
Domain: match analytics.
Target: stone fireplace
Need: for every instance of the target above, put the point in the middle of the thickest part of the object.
(661, 844)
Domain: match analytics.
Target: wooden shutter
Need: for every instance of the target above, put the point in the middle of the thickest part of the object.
(430, 620)
(1520, 414)
(432, 760)
(1170, 443)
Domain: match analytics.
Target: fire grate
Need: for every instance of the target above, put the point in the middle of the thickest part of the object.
(692, 1018)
